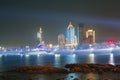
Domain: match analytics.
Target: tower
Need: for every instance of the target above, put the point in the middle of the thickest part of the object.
(70, 36)
(81, 33)
(90, 36)
(61, 40)
(39, 35)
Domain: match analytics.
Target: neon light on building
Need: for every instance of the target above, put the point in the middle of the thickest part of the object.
(70, 36)
(90, 36)
(39, 35)
(61, 40)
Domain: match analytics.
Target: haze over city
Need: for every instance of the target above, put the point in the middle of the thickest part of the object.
(20, 20)
(68, 39)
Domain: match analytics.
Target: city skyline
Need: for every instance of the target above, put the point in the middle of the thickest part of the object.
(20, 20)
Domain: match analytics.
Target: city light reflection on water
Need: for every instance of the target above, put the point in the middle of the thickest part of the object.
(91, 58)
(39, 59)
(1, 55)
(1, 60)
(71, 58)
(27, 59)
(111, 59)
(57, 60)
(21, 55)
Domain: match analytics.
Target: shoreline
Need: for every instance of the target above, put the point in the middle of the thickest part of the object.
(32, 72)
(68, 68)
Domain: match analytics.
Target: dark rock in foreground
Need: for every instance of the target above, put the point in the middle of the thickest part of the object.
(40, 69)
(100, 68)
(85, 68)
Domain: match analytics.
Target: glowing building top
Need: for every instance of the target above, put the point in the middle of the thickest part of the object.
(40, 30)
(39, 35)
(70, 26)
(90, 36)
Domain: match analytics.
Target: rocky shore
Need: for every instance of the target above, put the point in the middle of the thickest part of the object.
(87, 68)
(84, 68)
(40, 69)
(32, 72)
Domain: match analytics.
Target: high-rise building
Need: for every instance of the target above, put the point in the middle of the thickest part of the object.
(90, 36)
(61, 40)
(39, 35)
(70, 36)
(81, 33)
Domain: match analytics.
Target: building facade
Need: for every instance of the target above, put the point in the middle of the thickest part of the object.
(39, 35)
(90, 36)
(71, 40)
(81, 33)
(61, 40)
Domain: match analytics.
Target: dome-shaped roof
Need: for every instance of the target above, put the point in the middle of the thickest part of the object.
(70, 26)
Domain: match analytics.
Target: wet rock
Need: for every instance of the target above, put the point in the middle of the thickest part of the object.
(76, 79)
(107, 79)
(60, 79)
(40, 69)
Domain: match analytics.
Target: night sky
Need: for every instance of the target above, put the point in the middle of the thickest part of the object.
(21, 19)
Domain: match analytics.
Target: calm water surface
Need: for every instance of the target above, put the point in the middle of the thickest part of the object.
(9, 62)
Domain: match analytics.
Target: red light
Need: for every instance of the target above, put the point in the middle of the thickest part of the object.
(110, 41)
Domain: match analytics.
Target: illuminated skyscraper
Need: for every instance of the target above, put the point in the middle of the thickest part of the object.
(70, 34)
(61, 40)
(90, 36)
(39, 35)
(70, 37)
